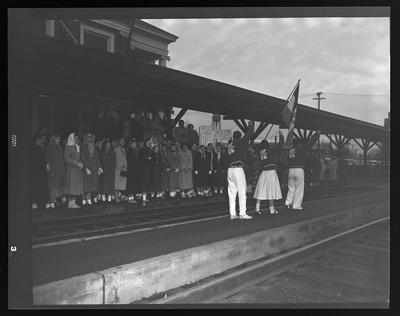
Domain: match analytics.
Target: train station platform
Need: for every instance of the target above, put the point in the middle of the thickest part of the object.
(104, 208)
(128, 267)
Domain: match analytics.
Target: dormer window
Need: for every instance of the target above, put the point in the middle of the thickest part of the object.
(96, 38)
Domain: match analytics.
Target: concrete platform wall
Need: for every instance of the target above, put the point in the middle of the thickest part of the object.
(127, 283)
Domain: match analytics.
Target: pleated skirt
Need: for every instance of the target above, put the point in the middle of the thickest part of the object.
(268, 186)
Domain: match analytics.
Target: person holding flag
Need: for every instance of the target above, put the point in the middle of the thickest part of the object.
(297, 154)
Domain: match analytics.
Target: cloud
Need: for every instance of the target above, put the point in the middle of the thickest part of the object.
(346, 55)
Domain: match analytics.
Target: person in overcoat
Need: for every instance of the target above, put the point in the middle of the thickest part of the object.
(133, 185)
(55, 169)
(146, 159)
(185, 170)
(74, 165)
(91, 168)
(108, 164)
(165, 171)
(37, 177)
(201, 167)
(173, 173)
(158, 169)
(219, 169)
(121, 168)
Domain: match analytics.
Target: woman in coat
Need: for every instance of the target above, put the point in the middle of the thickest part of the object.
(55, 169)
(108, 164)
(185, 170)
(91, 169)
(38, 178)
(133, 186)
(146, 159)
(121, 169)
(74, 177)
(173, 173)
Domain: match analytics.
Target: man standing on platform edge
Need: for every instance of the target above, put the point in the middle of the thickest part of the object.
(237, 152)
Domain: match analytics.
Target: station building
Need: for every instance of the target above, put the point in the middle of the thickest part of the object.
(59, 110)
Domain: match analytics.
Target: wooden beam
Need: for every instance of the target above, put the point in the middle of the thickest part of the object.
(331, 139)
(244, 124)
(358, 143)
(379, 146)
(128, 48)
(240, 125)
(346, 141)
(179, 116)
(260, 129)
(372, 145)
(298, 130)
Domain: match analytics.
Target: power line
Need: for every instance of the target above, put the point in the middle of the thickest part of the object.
(348, 94)
(360, 95)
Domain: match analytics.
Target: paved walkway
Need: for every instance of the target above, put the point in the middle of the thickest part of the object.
(63, 261)
(354, 272)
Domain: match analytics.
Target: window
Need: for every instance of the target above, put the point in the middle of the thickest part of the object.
(96, 38)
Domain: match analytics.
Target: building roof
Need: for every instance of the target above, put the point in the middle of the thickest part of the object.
(73, 67)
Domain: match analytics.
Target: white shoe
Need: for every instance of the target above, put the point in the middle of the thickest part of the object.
(272, 210)
(83, 202)
(47, 206)
(234, 217)
(245, 216)
(95, 200)
(52, 205)
(34, 206)
(89, 202)
(297, 208)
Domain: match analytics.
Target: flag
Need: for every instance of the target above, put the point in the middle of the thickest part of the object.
(288, 115)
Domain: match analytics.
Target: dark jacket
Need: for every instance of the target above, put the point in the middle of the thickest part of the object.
(239, 156)
(297, 155)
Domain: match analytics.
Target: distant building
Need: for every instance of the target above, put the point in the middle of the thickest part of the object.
(207, 134)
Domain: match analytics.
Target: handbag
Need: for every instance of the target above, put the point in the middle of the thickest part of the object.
(124, 173)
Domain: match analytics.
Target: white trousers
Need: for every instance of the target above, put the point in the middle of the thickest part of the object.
(237, 185)
(296, 187)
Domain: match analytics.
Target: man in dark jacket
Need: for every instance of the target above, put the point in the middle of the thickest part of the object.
(237, 153)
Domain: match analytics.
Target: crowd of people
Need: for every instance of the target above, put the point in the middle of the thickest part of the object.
(152, 162)
(148, 160)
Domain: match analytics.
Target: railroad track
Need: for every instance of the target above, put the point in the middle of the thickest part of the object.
(81, 227)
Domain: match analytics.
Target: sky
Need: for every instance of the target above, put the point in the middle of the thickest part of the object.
(347, 59)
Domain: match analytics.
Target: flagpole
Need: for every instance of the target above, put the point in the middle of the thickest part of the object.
(272, 125)
(293, 90)
(290, 95)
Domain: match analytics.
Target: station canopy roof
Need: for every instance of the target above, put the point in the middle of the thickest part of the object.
(66, 67)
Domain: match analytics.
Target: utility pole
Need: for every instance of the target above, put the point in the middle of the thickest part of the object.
(319, 100)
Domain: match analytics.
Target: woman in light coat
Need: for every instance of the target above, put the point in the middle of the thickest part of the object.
(74, 178)
(55, 169)
(120, 165)
(185, 170)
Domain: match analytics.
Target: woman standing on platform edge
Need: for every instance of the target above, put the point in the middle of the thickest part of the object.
(92, 169)
(121, 169)
(74, 177)
(108, 163)
(268, 186)
(55, 169)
